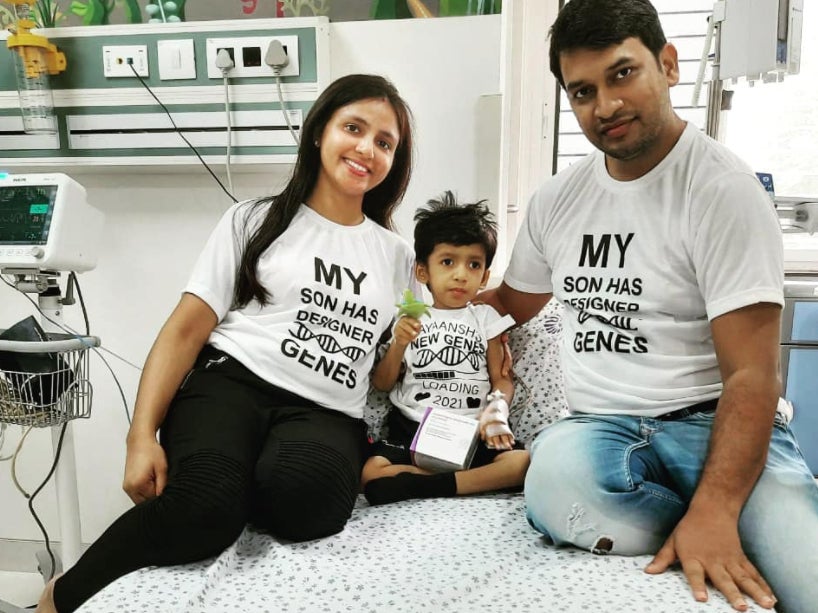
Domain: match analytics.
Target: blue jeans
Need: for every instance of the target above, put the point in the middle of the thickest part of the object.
(620, 484)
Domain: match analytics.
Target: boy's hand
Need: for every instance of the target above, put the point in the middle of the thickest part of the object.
(494, 429)
(406, 330)
(500, 441)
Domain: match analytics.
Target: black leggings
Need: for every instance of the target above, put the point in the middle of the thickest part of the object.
(239, 450)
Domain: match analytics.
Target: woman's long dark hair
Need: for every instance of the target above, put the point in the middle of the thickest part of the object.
(379, 203)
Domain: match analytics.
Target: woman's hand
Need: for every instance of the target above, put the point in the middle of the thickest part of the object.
(146, 469)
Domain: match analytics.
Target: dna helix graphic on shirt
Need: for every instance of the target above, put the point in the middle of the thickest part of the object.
(450, 356)
(327, 342)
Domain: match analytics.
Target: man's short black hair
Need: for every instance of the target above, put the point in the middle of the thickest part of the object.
(596, 24)
(446, 221)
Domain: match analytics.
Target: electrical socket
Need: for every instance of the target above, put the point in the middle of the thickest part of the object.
(248, 54)
(118, 59)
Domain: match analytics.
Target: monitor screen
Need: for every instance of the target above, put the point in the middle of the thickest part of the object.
(25, 213)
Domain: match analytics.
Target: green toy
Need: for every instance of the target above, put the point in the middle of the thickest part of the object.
(411, 307)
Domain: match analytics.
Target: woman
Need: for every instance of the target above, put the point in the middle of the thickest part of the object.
(259, 376)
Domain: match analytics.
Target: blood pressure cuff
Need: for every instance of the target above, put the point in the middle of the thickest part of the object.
(35, 378)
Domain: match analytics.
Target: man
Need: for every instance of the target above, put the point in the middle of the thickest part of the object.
(667, 255)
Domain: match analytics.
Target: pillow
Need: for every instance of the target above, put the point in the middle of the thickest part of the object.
(539, 392)
(375, 410)
(539, 397)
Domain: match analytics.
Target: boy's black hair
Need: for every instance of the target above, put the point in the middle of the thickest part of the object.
(596, 24)
(446, 221)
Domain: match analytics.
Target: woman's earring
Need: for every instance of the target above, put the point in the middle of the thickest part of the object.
(315, 142)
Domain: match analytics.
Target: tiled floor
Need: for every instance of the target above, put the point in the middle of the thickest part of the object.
(21, 589)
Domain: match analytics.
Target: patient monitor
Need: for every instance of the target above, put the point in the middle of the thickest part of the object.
(46, 224)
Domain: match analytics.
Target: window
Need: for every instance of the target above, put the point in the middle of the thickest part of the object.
(774, 126)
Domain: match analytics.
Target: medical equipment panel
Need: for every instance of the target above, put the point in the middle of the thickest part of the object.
(47, 224)
(799, 361)
(108, 116)
(760, 39)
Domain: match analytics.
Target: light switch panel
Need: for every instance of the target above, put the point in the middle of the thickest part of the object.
(176, 59)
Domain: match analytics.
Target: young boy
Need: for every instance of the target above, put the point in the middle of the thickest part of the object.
(450, 360)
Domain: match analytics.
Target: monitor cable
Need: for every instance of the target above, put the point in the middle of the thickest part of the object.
(182, 136)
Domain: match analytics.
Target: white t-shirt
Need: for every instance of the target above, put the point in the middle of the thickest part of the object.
(446, 364)
(643, 266)
(333, 292)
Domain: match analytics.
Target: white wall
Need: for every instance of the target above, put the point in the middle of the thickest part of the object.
(157, 223)
(441, 67)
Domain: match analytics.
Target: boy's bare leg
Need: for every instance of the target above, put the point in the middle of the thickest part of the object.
(507, 470)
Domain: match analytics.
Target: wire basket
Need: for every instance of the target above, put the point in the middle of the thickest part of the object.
(45, 383)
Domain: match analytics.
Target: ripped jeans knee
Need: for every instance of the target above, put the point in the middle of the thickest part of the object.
(581, 525)
(578, 524)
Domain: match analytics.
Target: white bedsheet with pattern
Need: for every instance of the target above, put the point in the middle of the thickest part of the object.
(454, 555)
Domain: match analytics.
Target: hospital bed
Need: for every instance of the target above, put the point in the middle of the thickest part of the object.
(458, 554)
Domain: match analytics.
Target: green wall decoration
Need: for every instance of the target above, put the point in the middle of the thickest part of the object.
(165, 11)
(92, 12)
(389, 9)
(305, 8)
(450, 8)
(398, 9)
(48, 13)
(98, 12)
(6, 16)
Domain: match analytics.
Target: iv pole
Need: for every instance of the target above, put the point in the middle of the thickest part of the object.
(51, 304)
(715, 87)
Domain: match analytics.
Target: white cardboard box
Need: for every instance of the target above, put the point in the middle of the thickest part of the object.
(444, 441)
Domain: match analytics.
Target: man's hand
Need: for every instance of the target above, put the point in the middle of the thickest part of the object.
(707, 546)
(146, 470)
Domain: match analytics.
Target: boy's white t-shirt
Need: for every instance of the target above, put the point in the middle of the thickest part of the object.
(643, 266)
(333, 292)
(446, 365)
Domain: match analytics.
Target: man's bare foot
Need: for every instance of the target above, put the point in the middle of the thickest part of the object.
(46, 603)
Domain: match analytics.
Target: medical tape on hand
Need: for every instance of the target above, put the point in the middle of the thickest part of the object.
(495, 416)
